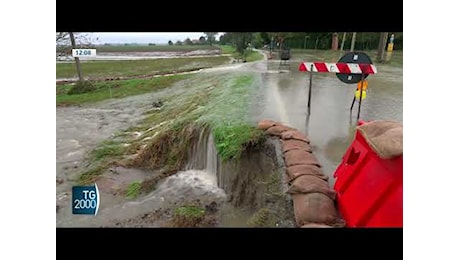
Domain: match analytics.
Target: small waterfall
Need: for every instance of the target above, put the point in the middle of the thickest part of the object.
(211, 155)
(203, 156)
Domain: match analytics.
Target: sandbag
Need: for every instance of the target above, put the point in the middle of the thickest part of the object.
(296, 171)
(298, 157)
(265, 124)
(292, 144)
(314, 225)
(314, 208)
(296, 135)
(277, 130)
(311, 184)
(385, 137)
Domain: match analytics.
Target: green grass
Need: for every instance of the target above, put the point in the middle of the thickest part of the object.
(253, 56)
(190, 212)
(156, 48)
(107, 150)
(133, 190)
(95, 69)
(230, 139)
(250, 55)
(227, 49)
(188, 216)
(91, 175)
(115, 89)
(229, 120)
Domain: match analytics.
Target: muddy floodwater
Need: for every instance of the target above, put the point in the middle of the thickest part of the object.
(281, 95)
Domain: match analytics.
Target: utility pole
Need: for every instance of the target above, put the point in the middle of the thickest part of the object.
(382, 45)
(335, 41)
(343, 41)
(77, 60)
(353, 40)
(305, 42)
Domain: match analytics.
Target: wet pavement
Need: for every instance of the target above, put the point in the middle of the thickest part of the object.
(329, 126)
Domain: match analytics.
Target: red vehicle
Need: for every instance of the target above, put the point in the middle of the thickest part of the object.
(369, 181)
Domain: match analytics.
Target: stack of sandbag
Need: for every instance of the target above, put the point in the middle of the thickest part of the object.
(385, 137)
(313, 199)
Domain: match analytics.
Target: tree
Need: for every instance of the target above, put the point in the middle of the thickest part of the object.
(382, 45)
(178, 42)
(64, 45)
(240, 41)
(202, 39)
(66, 41)
(77, 60)
(210, 37)
(170, 42)
(188, 41)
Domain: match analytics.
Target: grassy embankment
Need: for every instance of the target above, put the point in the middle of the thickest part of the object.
(218, 104)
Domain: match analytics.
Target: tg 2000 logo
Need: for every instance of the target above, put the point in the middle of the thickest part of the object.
(85, 200)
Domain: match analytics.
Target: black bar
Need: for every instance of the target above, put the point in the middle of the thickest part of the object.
(360, 96)
(309, 88)
(353, 102)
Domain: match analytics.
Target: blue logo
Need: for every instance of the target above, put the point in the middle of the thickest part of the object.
(85, 200)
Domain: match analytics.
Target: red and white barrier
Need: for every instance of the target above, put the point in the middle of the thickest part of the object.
(343, 68)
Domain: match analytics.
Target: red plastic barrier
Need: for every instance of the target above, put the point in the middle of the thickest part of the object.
(369, 189)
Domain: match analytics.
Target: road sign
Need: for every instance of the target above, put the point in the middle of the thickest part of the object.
(361, 60)
(350, 69)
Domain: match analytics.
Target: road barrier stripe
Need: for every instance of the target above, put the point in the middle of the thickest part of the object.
(343, 68)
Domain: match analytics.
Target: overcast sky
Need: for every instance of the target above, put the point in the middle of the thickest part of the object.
(150, 37)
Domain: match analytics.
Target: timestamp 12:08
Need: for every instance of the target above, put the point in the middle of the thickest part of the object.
(83, 52)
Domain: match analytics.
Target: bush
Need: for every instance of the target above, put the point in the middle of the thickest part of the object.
(82, 87)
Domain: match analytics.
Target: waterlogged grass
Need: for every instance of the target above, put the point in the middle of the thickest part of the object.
(133, 190)
(107, 150)
(231, 140)
(115, 89)
(91, 175)
(188, 216)
(216, 104)
(94, 69)
(228, 118)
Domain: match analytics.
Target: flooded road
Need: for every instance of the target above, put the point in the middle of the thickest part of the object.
(283, 97)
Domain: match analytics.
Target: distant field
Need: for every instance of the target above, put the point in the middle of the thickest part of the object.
(136, 67)
(157, 48)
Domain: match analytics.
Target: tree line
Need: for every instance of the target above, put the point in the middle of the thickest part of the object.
(306, 40)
